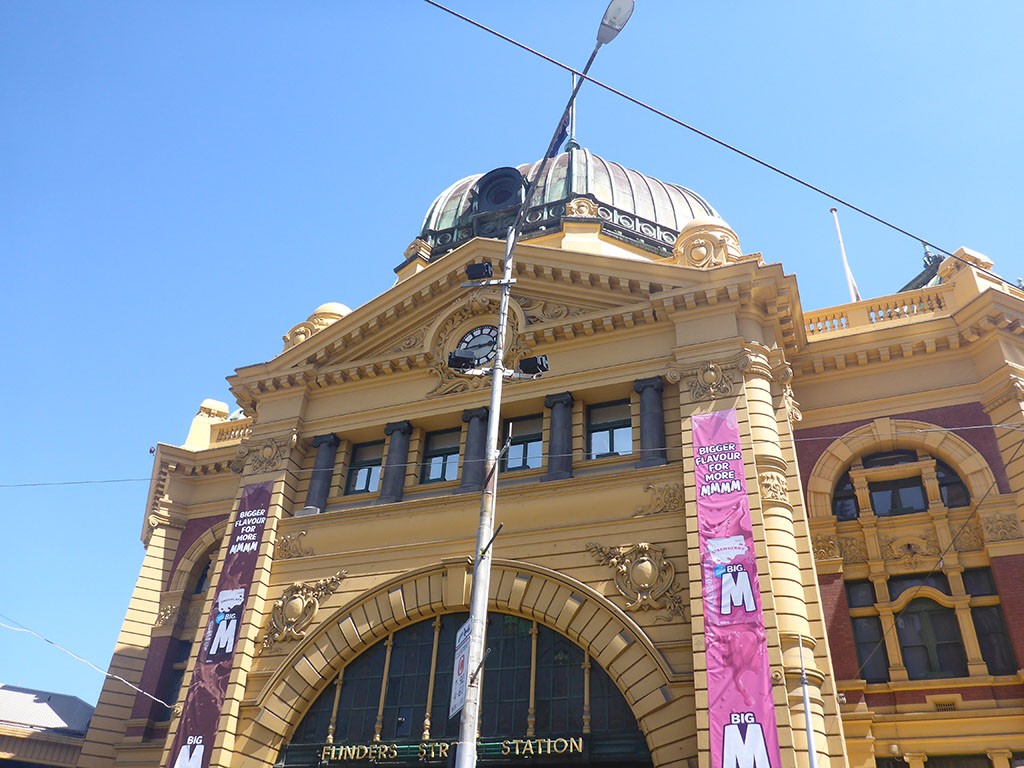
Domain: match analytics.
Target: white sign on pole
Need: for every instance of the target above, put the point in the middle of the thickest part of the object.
(460, 670)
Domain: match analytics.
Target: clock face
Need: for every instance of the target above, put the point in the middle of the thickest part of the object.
(482, 342)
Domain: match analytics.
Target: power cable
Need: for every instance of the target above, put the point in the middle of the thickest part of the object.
(22, 628)
(1014, 427)
(720, 142)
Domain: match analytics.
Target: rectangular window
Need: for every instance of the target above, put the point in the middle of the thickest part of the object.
(364, 469)
(609, 430)
(441, 456)
(871, 654)
(860, 594)
(898, 497)
(900, 584)
(524, 450)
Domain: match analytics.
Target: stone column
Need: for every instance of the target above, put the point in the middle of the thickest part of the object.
(559, 436)
(323, 470)
(652, 422)
(763, 369)
(476, 449)
(392, 484)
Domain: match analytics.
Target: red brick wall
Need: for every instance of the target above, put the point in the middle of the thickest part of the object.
(1008, 573)
(811, 443)
(837, 623)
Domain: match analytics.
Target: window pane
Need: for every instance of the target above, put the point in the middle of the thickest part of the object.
(978, 581)
(888, 458)
(441, 456)
(860, 594)
(364, 470)
(930, 640)
(900, 584)
(525, 447)
(898, 497)
(871, 654)
(609, 430)
(994, 641)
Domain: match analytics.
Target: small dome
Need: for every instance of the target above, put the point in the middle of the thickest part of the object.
(631, 205)
(331, 308)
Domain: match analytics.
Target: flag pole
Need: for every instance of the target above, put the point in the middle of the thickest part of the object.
(850, 282)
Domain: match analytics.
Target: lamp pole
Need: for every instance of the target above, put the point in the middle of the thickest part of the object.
(614, 19)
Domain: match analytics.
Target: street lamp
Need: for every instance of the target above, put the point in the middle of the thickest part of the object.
(615, 18)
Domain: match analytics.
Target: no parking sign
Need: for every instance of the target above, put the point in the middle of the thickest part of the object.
(460, 670)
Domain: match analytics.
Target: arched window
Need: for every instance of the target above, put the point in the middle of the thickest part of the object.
(538, 687)
(930, 641)
(895, 483)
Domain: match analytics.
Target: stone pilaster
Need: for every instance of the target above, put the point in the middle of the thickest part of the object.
(323, 470)
(476, 450)
(392, 484)
(560, 436)
(652, 422)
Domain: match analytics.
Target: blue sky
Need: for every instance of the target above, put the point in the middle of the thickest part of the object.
(181, 183)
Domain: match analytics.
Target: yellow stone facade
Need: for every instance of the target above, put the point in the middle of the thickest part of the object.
(719, 330)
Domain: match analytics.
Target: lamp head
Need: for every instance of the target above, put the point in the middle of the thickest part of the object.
(615, 18)
(461, 360)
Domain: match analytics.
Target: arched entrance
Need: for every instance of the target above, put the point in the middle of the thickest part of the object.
(545, 701)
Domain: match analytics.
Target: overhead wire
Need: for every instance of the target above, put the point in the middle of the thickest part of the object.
(720, 142)
(22, 628)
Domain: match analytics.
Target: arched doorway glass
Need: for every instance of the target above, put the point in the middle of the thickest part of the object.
(545, 702)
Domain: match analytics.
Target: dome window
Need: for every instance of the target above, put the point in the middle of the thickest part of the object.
(499, 190)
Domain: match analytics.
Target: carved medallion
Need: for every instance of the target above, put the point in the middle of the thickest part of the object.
(706, 244)
(268, 456)
(581, 208)
(711, 381)
(664, 498)
(293, 612)
(643, 576)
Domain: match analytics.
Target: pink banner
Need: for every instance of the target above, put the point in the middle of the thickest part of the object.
(740, 708)
(197, 726)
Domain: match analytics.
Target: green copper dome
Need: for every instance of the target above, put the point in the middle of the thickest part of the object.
(631, 206)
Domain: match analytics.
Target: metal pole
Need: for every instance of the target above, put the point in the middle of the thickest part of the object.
(812, 752)
(469, 724)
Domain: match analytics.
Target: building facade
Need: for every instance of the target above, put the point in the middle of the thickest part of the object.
(322, 541)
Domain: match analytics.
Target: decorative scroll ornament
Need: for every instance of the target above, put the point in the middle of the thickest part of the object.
(1001, 527)
(910, 550)
(773, 487)
(268, 456)
(706, 243)
(581, 208)
(825, 547)
(664, 498)
(538, 311)
(293, 612)
(643, 576)
(853, 550)
(290, 545)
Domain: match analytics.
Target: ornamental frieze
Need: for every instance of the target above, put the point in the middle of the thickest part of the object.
(825, 547)
(968, 538)
(664, 498)
(912, 551)
(269, 455)
(293, 612)
(643, 576)
(1001, 526)
(853, 550)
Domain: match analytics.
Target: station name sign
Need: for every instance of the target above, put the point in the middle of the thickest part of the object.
(438, 750)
